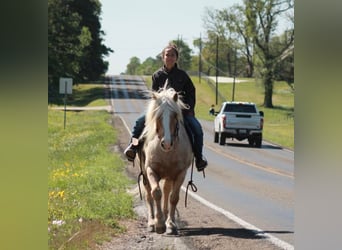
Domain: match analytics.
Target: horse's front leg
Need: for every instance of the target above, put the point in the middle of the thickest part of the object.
(174, 198)
(166, 197)
(157, 196)
(150, 207)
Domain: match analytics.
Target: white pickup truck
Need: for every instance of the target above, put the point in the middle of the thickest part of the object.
(239, 120)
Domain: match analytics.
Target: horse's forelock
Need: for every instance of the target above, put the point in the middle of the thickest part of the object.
(165, 99)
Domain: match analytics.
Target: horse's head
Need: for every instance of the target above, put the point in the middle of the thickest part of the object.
(167, 121)
(163, 117)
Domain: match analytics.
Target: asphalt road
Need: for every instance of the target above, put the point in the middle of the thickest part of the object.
(254, 184)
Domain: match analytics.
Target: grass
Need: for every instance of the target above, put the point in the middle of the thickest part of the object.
(83, 95)
(86, 182)
(278, 121)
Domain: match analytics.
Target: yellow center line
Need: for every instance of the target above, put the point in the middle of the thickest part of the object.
(252, 164)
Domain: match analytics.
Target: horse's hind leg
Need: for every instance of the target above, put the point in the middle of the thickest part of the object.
(150, 208)
(157, 196)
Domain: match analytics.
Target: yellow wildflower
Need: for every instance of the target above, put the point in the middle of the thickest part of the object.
(60, 194)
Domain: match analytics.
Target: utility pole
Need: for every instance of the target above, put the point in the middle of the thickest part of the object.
(234, 75)
(217, 44)
(179, 39)
(200, 59)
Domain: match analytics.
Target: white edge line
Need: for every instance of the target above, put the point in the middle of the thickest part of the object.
(241, 222)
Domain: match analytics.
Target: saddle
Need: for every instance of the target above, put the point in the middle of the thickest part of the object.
(190, 134)
(188, 131)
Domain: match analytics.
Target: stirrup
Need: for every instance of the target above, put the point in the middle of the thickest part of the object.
(201, 164)
(130, 152)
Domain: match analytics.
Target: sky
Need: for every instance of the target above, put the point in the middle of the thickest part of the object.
(142, 28)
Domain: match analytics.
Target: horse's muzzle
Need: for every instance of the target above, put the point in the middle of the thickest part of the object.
(166, 145)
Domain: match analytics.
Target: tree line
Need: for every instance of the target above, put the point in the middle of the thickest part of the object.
(239, 41)
(150, 64)
(75, 42)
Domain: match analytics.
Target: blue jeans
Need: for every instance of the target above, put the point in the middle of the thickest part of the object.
(139, 126)
(190, 121)
(197, 133)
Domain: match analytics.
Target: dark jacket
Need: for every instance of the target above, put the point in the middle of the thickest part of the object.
(180, 81)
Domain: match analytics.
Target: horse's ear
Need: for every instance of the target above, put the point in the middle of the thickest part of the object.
(175, 97)
(154, 95)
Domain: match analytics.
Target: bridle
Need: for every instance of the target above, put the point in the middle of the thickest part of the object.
(174, 136)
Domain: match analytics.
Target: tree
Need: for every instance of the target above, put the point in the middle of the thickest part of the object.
(75, 47)
(64, 45)
(217, 29)
(236, 22)
(149, 66)
(235, 45)
(248, 33)
(262, 17)
(91, 60)
(132, 66)
(284, 69)
(184, 59)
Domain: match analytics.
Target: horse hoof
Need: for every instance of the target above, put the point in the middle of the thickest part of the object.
(160, 230)
(171, 231)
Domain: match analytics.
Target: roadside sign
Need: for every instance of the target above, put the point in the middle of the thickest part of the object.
(65, 85)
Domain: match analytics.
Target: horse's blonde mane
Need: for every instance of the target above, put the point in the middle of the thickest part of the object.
(165, 98)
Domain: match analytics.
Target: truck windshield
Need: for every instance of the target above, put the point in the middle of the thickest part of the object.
(242, 108)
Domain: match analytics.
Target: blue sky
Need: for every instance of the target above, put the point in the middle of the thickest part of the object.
(142, 28)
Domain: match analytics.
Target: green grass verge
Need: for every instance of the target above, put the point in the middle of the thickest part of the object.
(82, 95)
(86, 181)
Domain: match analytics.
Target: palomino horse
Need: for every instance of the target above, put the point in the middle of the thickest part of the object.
(165, 158)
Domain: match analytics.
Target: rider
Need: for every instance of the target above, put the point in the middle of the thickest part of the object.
(181, 82)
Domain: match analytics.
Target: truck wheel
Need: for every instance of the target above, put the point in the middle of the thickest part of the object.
(222, 139)
(216, 137)
(258, 141)
(251, 141)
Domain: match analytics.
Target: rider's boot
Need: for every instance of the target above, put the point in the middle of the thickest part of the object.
(132, 149)
(201, 163)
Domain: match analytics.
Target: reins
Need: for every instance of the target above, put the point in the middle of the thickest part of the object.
(191, 183)
(141, 172)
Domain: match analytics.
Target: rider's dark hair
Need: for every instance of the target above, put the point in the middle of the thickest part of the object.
(171, 46)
